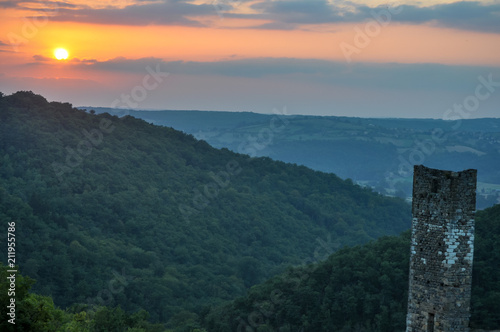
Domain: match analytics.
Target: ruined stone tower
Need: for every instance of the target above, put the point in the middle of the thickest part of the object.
(442, 247)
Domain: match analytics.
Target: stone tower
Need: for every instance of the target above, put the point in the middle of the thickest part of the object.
(442, 247)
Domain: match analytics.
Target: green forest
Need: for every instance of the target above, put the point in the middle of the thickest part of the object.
(122, 225)
(361, 288)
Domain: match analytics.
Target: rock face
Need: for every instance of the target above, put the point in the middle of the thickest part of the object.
(442, 248)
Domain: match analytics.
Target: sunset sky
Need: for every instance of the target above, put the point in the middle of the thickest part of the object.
(435, 59)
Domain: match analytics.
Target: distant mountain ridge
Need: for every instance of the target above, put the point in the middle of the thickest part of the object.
(376, 152)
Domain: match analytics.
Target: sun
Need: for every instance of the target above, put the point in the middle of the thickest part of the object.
(61, 54)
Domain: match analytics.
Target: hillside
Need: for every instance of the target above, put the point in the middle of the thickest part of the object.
(345, 146)
(117, 211)
(363, 288)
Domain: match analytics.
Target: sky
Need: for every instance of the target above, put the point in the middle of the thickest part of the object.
(362, 58)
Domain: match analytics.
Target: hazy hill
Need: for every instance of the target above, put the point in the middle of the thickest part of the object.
(117, 211)
(363, 288)
(375, 152)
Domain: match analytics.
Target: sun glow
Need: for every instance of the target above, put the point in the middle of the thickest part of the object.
(61, 54)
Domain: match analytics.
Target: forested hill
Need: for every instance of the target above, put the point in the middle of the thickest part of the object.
(364, 288)
(117, 211)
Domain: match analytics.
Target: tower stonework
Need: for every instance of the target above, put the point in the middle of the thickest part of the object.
(444, 204)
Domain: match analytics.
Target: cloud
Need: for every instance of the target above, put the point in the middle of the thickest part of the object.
(369, 75)
(298, 12)
(276, 26)
(466, 15)
(41, 58)
(3, 47)
(304, 85)
(280, 14)
(119, 64)
(39, 6)
(172, 12)
(9, 4)
(463, 15)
